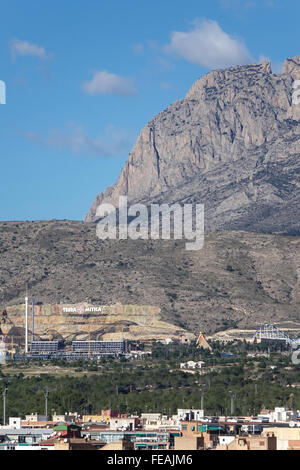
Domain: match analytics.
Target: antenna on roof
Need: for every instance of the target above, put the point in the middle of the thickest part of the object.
(26, 320)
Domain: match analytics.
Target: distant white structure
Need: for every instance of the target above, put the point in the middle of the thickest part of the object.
(269, 332)
(189, 415)
(192, 365)
(26, 324)
(279, 415)
(167, 341)
(225, 440)
(283, 415)
(2, 350)
(14, 423)
(123, 424)
(296, 342)
(139, 354)
(158, 421)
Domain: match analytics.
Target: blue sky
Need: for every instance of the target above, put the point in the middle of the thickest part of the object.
(84, 77)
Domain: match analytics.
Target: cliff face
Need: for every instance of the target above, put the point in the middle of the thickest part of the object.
(233, 144)
(77, 322)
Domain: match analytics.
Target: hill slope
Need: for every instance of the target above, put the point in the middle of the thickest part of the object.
(238, 278)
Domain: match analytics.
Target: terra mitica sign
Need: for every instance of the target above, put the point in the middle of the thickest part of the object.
(82, 310)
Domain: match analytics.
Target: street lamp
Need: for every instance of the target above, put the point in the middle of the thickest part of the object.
(46, 404)
(4, 406)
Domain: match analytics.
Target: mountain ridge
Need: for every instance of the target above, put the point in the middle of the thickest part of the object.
(238, 279)
(232, 144)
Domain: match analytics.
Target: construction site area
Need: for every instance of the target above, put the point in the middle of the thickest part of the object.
(83, 329)
(69, 332)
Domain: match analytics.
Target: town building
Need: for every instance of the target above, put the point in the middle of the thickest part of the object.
(14, 423)
(282, 415)
(255, 443)
(35, 417)
(24, 435)
(99, 347)
(209, 432)
(158, 421)
(124, 424)
(67, 431)
(189, 443)
(288, 438)
(44, 347)
(66, 418)
(189, 415)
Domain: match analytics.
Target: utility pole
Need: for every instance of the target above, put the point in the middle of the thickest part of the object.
(4, 406)
(32, 320)
(202, 400)
(46, 404)
(232, 398)
(291, 401)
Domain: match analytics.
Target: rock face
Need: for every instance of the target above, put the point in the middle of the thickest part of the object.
(76, 322)
(233, 144)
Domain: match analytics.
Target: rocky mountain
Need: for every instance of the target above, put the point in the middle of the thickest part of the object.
(233, 144)
(239, 279)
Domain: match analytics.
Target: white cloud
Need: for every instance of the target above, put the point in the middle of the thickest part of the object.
(113, 143)
(105, 83)
(26, 48)
(209, 46)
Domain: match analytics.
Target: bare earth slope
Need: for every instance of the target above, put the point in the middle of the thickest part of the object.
(233, 144)
(239, 278)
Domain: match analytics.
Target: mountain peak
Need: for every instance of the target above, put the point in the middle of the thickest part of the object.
(219, 77)
(232, 144)
(292, 67)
